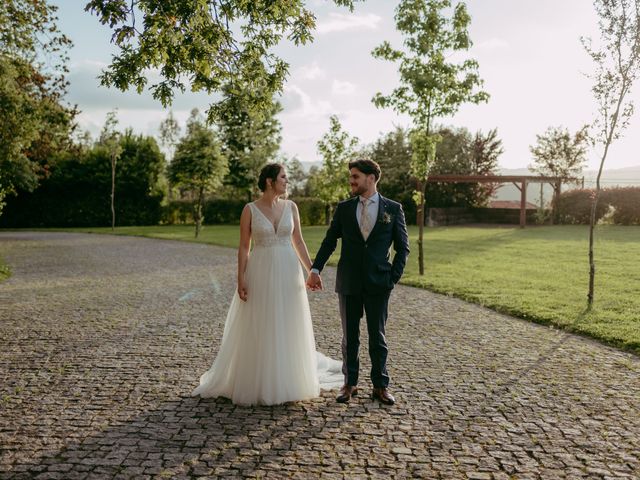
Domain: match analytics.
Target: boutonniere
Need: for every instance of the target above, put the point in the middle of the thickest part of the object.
(386, 218)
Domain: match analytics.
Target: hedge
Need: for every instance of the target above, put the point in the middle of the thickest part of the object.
(223, 210)
(620, 205)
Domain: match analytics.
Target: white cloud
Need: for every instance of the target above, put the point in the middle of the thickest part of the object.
(306, 106)
(340, 22)
(342, 88)
(310, 72)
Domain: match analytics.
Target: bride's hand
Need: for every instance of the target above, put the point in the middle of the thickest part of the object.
(242, 290)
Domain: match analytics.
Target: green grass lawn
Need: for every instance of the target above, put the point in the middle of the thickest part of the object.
(537, 273)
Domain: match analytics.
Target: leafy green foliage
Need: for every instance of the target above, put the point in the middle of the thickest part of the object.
(621, 203)
(296, 175)
(337, 148)
(559, 154)
(198, 165)
(392, 152)
(35, 123)
(431, 86)
(250, 139)
(169, 133)
(76, 192)
(204, 44)
(458, 152)
(461, 153)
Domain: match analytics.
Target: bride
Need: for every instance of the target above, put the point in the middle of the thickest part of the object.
(267, 355)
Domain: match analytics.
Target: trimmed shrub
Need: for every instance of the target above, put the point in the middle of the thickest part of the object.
(312, 210)
(626, 204)
(222, 210)
(574, 206)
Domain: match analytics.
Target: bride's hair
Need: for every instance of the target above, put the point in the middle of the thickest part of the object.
(271, 171)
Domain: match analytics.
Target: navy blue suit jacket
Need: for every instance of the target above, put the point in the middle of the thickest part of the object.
(364, 266)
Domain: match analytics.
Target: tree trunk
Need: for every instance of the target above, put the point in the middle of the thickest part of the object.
(592, 223)
(594, 205)
(592, 265)
(113, 192)
(198, 210)
(421, 188)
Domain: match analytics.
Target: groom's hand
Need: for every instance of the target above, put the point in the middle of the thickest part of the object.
(314, 282)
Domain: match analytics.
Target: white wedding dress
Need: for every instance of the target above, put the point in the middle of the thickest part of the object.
(267, 355)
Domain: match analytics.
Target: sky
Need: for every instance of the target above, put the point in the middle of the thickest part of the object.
(530, 55)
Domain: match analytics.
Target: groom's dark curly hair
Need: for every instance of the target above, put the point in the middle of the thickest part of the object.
(366, 166)
(270, 170)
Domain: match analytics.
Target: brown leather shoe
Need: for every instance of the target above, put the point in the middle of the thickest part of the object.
(346, 392)
(382, 394)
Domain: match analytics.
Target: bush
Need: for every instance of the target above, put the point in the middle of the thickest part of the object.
(227, 211)
(77, 191)
(626, 202)
(222, 210)
(312, 210)
(216, 211)
(574, 206)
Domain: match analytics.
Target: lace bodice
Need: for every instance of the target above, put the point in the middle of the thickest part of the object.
(263, 233)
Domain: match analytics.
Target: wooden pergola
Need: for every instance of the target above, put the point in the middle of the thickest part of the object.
(520, 181)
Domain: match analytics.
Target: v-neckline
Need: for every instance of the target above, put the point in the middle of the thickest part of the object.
(275, 226)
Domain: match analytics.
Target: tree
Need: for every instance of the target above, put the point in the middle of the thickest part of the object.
(392, 152)
(559, 154)
(431, 86)
(485, 150)
(169, 134)
(198, 164)
(461, 153)
(250, 139)
(617, 62)
(213, 43)
(35, 123)
(75, 192)
(296, 176)
(110, 140)
(337, 148)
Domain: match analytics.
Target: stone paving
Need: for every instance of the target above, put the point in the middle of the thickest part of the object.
(102, 338)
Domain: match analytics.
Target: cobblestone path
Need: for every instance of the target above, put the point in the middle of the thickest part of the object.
(103, 338)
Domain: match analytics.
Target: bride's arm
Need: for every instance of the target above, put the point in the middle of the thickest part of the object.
(243, 250)
(298, 241)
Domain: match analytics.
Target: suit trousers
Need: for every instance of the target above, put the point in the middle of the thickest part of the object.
(375, 307)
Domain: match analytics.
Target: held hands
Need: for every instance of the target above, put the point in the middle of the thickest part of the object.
(242, 290)
(314, 282)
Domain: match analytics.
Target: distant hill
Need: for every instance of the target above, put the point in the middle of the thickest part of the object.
(623, 177)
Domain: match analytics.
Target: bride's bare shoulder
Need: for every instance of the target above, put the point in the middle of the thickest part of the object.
(292, 204)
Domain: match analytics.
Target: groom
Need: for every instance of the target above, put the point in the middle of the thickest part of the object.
(368, 225)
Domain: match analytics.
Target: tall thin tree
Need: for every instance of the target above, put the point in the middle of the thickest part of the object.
(432, 86)
(110, 138)
(617, 62)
